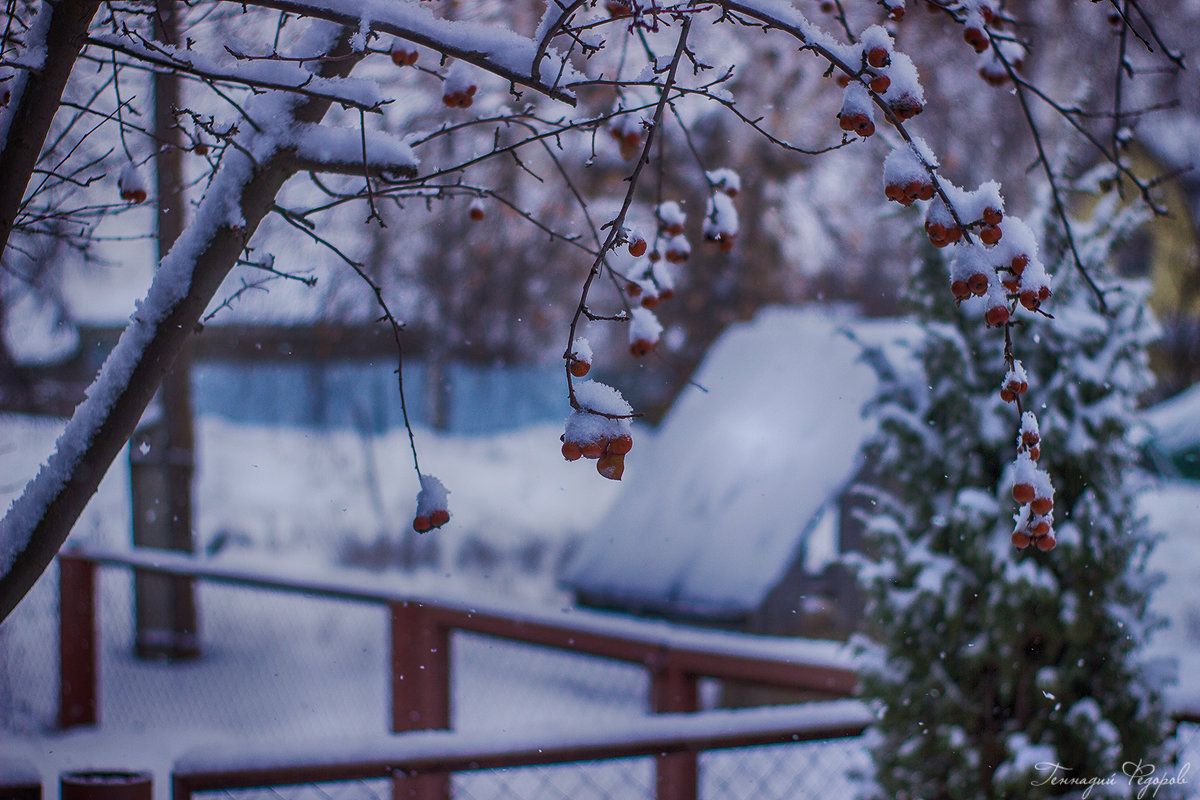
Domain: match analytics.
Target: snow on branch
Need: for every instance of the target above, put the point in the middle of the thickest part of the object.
(288, 76)
(497, 50)
(352, 151)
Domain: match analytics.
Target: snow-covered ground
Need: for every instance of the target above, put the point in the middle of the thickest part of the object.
(278, 668)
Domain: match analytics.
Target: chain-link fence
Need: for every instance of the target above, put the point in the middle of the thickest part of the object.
(286, 666)
(771, 772)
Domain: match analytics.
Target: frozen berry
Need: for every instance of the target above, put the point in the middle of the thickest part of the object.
(639, 348)
(621, 445)
(990, 234)
(996, 316)
(631, 143)
(906, 107)
(421, 523)
(439, 517)
(1021, 540)
(571, 451)
(1023, 493)
(1047, 543)
(611, 466)
(1042, 505)
(975, 37)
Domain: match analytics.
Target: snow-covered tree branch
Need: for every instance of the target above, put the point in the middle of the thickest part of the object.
(597, 128)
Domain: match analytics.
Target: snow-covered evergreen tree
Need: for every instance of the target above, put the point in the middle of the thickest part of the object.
(991, 663)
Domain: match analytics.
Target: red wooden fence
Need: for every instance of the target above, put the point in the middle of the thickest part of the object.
(420, 646)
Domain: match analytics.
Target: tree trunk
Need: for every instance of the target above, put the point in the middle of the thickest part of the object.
(38, 523)
(165, 606)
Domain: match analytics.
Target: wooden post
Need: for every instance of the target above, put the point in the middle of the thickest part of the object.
(673, 690)
(77, 639)
(420, 653)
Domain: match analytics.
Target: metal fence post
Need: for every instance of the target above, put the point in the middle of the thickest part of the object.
(420, 655)
(673, 690)
(77, 638)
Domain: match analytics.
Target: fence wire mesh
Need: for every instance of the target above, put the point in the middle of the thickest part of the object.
(290, 666)
(343, 790)
(774, 772)
(787, 771)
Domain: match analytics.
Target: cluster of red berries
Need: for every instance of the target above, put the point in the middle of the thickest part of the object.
(609, 454)
(1016, 384)
(461, 98)
(888, 75)
(644, 332)
(651, 289)
(909, 192)
(1033, 491)
(131, 185)
(423, 523)
(431, 505)
(856, 113)
(598, 428)
(1027, 284)
(458, 90)
(671, 219)
(403, 55)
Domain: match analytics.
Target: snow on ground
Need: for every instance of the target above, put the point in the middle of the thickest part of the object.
(1174, 511)
(279, 668)
(514, 502)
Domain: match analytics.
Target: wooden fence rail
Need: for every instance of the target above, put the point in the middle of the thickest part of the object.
(432, 754)
(420, 630)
